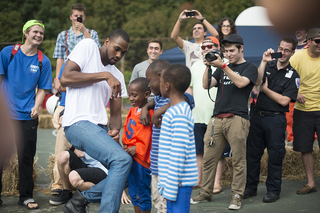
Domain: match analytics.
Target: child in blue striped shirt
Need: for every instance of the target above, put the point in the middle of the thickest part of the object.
(177, 157)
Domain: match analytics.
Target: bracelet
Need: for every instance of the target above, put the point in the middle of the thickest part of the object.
(224, 66)
(56, 79)
(180, 19)
(202, 19)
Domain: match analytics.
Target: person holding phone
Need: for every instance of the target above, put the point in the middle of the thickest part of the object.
(66, 41)
(279, 85)
(192, 51)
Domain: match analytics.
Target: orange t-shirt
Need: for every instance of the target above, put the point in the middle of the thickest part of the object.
(136, 134)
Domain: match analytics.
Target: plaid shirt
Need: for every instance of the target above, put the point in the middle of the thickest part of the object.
(72, 41)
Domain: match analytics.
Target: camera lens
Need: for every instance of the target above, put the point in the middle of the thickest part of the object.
(210, 56)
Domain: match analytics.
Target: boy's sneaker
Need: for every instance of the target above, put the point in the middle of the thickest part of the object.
(201, 197)
(61, 198)
(235, 202)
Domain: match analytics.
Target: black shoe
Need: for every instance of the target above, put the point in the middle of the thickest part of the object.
(271, 197)
(249, 193)
(56, 191)
(76, 204)
(62, 197)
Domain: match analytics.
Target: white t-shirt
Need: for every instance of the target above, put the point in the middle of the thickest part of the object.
(192, 52)
(88, 103)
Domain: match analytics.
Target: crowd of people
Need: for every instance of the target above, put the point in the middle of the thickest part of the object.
(174, 141)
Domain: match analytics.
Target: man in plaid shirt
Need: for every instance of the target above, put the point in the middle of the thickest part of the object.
(67, 40)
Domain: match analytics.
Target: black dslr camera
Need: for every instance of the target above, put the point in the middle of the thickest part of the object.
(210, 56)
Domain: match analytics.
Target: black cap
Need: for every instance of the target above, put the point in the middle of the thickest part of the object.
(233, 38)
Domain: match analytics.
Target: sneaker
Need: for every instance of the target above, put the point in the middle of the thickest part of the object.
(235, 202)
(201, 197)
(56, 191)
(61, 198)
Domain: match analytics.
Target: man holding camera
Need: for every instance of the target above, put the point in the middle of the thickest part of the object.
(192, 50)
(230, 118)
(279, 85)
(203, 109)
(66, 41)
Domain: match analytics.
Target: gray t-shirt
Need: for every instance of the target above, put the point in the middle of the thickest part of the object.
(140, 70)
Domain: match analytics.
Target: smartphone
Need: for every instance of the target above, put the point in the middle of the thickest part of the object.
(190, 14)
(276, 55)
(79, 19)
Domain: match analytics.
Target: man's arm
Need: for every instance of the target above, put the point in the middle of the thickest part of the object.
(238, 80)
(276, 97)
(56, 81)
(176, 30)
(115, 118)
(209, 26)
(39, 99)
(72, 77)
(205, 77)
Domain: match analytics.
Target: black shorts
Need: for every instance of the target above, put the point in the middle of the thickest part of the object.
(199, 131)
(88, 174)
(305, 124)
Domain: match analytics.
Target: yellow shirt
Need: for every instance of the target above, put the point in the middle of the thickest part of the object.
(309, 70)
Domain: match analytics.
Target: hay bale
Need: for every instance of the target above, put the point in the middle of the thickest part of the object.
(292, 168)
(10, 176)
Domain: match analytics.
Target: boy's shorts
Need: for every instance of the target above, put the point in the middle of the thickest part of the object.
(159, 202)
(88, 174)
(304, 126)
(182, 203)
(139, 186)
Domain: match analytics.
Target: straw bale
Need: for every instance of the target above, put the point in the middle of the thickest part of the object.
(10, 176)
(292, 168)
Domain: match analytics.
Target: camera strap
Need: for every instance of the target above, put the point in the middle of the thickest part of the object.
(209, 82)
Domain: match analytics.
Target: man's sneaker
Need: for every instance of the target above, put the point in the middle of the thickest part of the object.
(61, 198)
(56, 191)
(201, 197)
(235, 202)
(248, 192)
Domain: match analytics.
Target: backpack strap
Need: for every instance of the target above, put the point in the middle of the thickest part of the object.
(16, 48)
(65, 40)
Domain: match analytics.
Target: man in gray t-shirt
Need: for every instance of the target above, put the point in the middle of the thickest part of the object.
(154, 50)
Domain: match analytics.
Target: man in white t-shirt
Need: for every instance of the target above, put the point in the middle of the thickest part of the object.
(92, 81)
(192, 51)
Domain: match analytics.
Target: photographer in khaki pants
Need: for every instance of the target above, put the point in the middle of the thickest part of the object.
(231, 121)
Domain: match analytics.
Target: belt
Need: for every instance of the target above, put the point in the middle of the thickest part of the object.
(225, 115)
(268, 113)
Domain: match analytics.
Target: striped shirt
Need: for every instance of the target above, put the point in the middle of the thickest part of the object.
(158, 102)
(177, 155)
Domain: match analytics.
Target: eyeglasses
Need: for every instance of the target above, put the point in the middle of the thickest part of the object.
(280, 49)
(225, 26)
(209, 46)
(316, 40)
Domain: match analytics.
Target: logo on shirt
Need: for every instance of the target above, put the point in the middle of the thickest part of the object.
(297, 80)
(34, 69)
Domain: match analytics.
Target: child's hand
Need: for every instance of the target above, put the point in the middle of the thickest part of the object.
(156, 120)
(144, 117)
(131, 150)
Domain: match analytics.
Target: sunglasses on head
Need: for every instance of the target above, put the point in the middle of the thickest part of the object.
(316, 40)
(209, 46)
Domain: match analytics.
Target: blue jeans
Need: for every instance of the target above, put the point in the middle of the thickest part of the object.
(94, 140)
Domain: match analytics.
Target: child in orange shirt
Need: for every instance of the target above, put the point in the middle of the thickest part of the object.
(136, 140)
